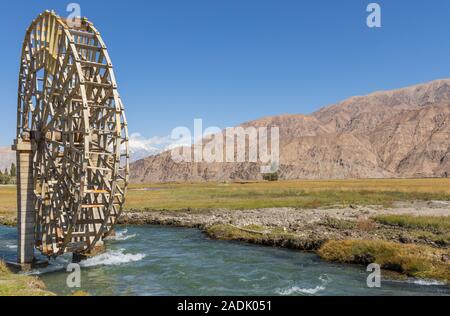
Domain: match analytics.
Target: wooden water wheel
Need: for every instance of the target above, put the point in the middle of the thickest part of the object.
(70, 111)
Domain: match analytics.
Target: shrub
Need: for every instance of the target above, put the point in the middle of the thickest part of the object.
(5, 179)
(270, 176)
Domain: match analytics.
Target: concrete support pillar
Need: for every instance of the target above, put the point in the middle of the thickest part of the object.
(25, 201)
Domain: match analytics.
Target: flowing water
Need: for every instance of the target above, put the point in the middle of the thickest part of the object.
(154, 260)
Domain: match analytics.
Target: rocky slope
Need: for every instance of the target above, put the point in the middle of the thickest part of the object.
(399, 133)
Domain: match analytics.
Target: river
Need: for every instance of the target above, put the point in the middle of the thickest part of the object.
(156, 260)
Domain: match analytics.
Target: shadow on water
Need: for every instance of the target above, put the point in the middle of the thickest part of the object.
(156, 260)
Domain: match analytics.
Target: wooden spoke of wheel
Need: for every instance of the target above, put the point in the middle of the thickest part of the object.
(69, 105)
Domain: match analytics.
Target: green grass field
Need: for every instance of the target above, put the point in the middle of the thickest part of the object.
(8, 203)
(249, 195)
(299, 194)
(435, 224)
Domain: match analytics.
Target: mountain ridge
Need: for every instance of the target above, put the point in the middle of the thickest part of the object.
(385, 134)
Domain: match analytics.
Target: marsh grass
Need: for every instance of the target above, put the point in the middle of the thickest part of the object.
(413, 260)
(432, 228)
(441, 239)
(263, 235)
(250, 232)
(337, 223)
(435, 224)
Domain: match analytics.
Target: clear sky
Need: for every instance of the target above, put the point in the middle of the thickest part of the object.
(228, 61)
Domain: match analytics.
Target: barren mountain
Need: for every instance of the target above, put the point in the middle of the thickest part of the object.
(399, 133)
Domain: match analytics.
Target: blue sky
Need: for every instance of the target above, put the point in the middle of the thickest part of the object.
(228, 61)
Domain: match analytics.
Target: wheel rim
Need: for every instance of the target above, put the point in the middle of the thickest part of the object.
(69, 106)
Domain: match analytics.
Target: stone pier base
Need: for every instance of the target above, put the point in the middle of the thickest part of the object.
(26, 267)
(25, 202)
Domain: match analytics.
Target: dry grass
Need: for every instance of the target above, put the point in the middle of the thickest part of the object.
(299, 194)
(251, 195)
(436, 224)
(8, 205)
(228, 232)
(433, 228)
(412, 260)
(80, 293)
(12, 284)
(262, 235)
(337, 223)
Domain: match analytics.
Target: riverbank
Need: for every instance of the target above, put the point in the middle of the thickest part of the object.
(398, 238)
(348, 221)
(412, 238)
(13, 284)
(356, 222)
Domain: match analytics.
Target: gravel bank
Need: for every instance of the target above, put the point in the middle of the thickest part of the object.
(312, 226)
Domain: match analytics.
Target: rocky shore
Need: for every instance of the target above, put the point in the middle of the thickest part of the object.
(310, 227)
